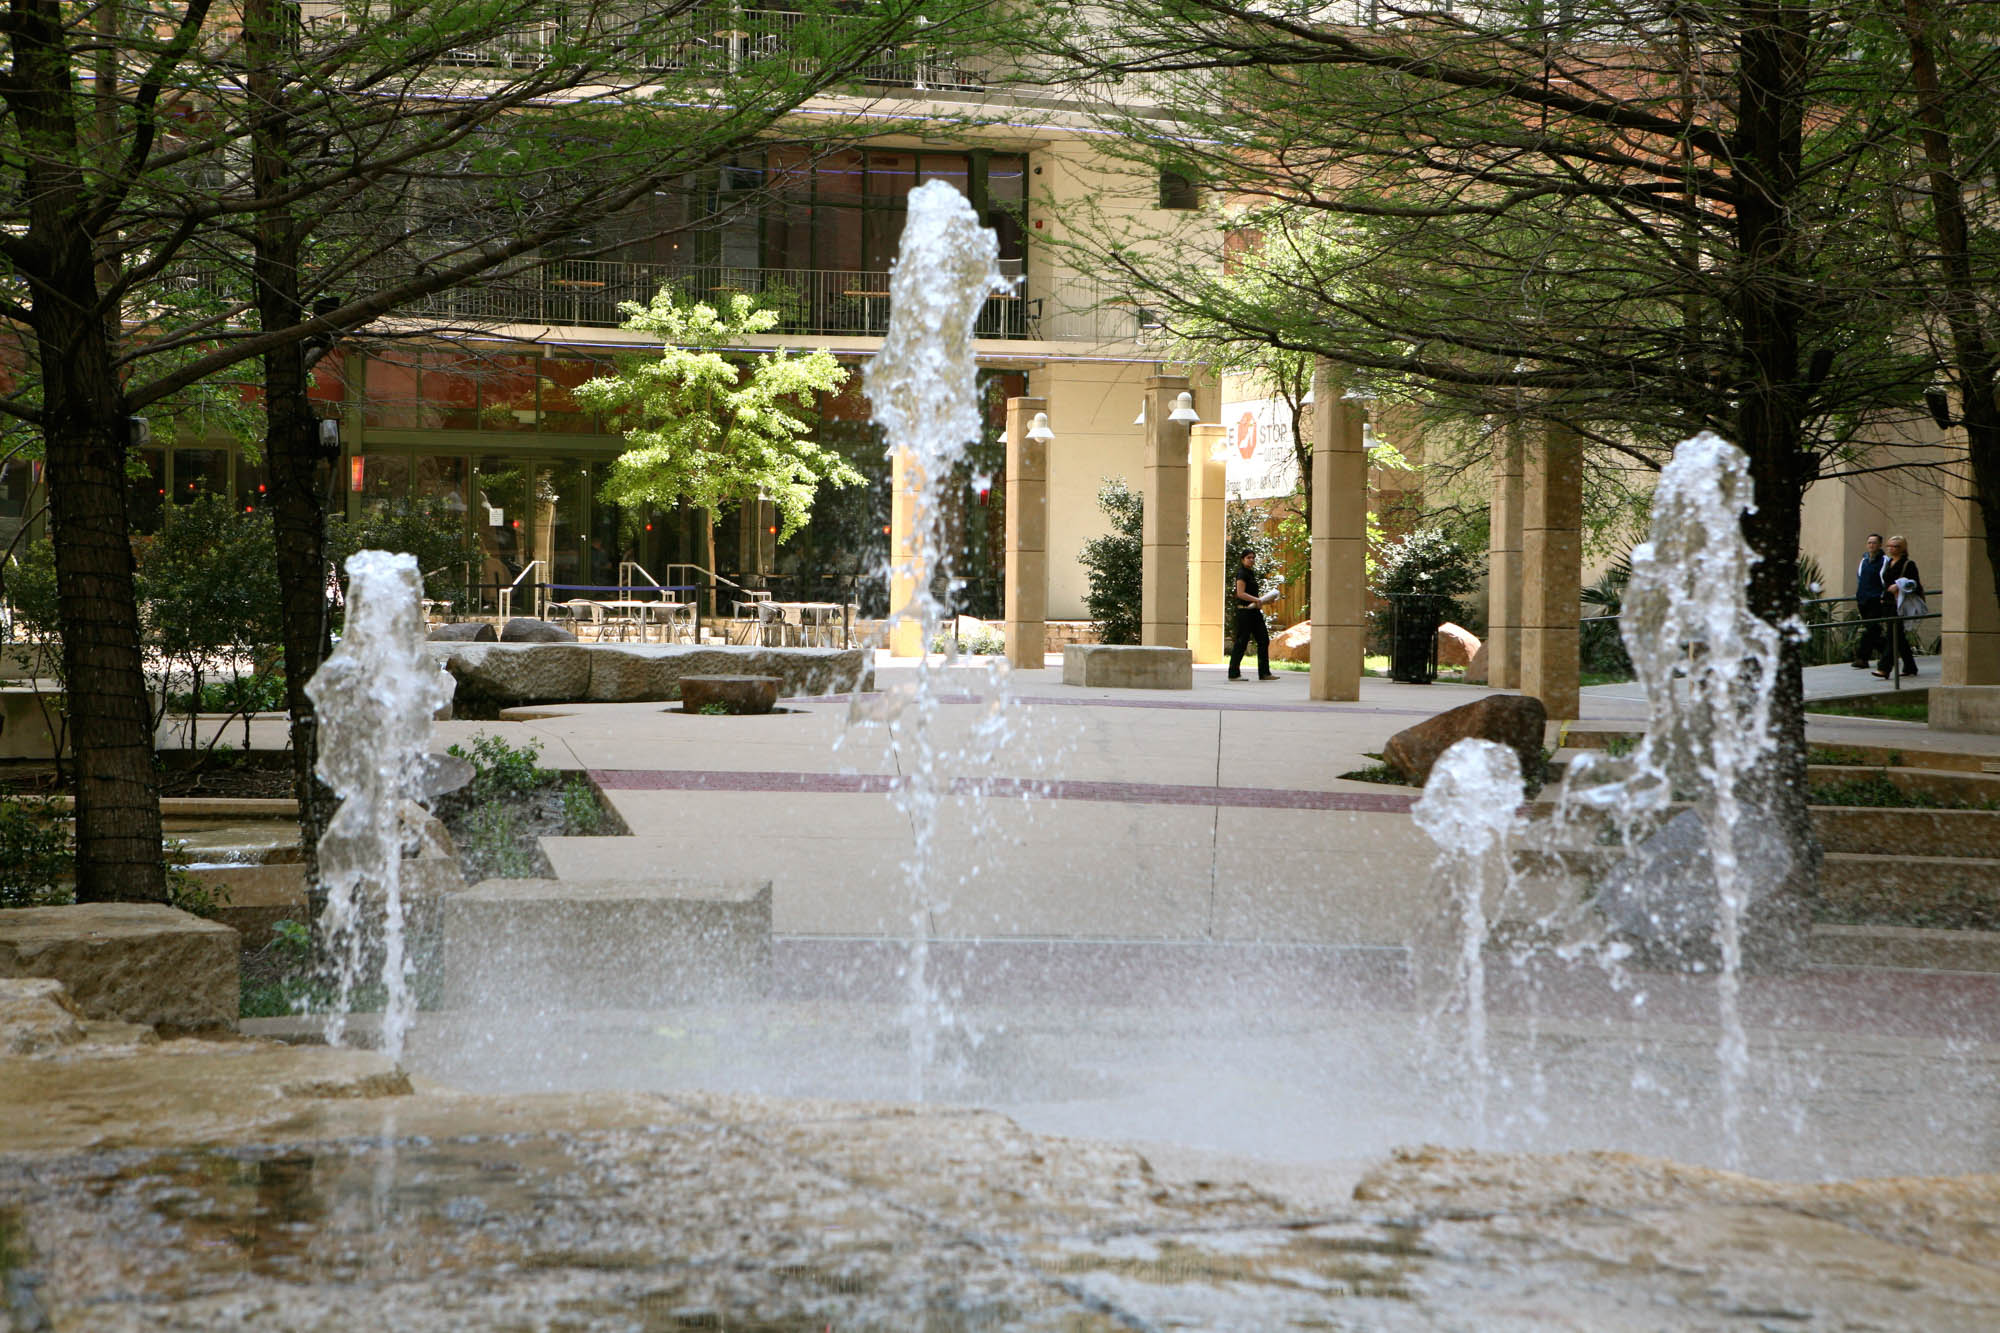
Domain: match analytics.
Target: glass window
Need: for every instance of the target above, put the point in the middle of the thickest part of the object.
(393, 401)
(562, 512)
(147, 479)
(560, 410)
(379, 478)
(200, 471)
(20, 496)
(948, 167)
(451, 391)
(499, 520)
(1006, 179)
(252, 486)
(507, 394)
(442, 476)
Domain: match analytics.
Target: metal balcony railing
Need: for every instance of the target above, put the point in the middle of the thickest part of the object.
(588, 292)
(716, 38)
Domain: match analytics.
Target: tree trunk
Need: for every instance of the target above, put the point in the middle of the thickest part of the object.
(110, 715)
(291, 432)
(1768, 150)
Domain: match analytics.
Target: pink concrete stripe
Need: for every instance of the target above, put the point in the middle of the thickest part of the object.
(1183, 705)
(1127, 793)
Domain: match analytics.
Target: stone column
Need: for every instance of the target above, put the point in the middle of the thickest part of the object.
(1027, 557)
(1339, 538)
(1207, 533)
(1503, 563)
(1967, 697)
(1163, 604)
(1552, 569)
(906, 572)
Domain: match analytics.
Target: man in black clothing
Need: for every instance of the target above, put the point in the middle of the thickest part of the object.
(1250, 625)
(1871, 599)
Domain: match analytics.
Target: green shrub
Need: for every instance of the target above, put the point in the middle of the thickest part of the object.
(1427, 572)
(36, 860)
(263, 692)
(501, 770)
(1113, 562)
(580, 807)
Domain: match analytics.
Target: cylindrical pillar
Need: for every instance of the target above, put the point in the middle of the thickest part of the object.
(1339, 538)
(1163, 600)
(1207, 533)
(1027, 554)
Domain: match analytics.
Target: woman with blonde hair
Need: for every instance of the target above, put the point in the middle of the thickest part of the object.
(1906, 587)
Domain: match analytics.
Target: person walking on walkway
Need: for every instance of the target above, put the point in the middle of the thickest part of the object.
(1872, 600)
(1900, 577)
(1250, 604)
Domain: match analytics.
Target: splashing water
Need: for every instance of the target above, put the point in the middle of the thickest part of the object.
(924, 388)
(376, 695)
(1709, 667)
(1471, 809)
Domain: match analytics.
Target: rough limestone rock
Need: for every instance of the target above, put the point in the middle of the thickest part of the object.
(1477, 672)
(36, 1016)
(1663, 897)
(741, 695)
(517, 673)
(1508, 719)
(525, 629)
(468, 631)
(1456, 645)
(129, 962)
(1294, 644)
(507, 674)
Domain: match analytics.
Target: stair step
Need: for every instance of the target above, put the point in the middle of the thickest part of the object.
(1905, 890)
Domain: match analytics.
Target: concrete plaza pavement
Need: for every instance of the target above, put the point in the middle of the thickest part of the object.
(1212, 814)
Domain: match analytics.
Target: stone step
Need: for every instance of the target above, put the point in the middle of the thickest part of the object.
(1905, 946)
(1885, 831)
(1944, 784)
(1858, 888)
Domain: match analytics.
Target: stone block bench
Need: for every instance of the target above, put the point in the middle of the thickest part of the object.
(553, 945)
(505, 675)
(738, 695)
(127, 962)
(1127, 666)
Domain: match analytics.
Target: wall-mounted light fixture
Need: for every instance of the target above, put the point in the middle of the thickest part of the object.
(1140, 420)
(1184, 412)
(1038, 429)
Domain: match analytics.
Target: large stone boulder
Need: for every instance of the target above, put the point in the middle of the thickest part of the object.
(1477, 671)
(501, 674)
(1457, 645)
(127, 962)
(1294, 644)
(740, 695)
(526, 629)
(1664, 900)
(1509, 719)
(466, 631)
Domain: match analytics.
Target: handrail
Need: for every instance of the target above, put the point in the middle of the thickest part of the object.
(626, 568)
(507, 593)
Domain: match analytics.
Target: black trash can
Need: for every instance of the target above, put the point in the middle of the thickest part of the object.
(1413, 633)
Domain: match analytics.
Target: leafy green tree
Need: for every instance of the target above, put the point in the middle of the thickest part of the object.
(211, 597)
(710, 422)
(1114, 563)
(1421, 575)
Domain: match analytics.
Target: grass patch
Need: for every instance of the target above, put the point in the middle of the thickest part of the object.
(1604, 678)
(1379, 772)
(1877, 792)
(1904, 706)
(1841, 756)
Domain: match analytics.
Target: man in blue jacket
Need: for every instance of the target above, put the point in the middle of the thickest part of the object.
(1871, 596)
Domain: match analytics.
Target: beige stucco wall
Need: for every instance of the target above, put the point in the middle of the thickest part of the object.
(1839, 513)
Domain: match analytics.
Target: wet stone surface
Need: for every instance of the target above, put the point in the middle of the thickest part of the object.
(748, 1213)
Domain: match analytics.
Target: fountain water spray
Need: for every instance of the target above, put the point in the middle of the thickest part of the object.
(1709, 667)
(1471, 809)
(924, 389)
(376, 696)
